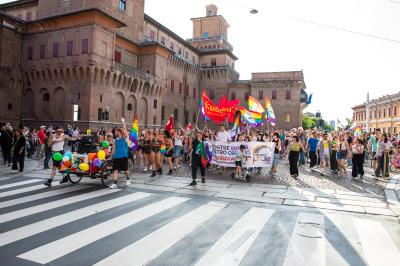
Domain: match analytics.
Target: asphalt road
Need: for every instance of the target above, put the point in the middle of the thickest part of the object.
(87, 224)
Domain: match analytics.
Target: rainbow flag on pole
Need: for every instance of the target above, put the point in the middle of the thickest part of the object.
(269, 112)
(203, 113)
(255, 106)
(163, 149)
(133, 136)
(253, 119)
(357, 132)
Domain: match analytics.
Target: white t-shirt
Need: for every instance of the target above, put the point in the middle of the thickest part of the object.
(58, 143)
(178, 141)
(223, 136)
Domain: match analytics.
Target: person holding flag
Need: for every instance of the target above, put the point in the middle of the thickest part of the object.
(199, 158)
(156, 144)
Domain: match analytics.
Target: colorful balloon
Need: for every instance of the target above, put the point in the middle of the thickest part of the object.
(65, 158)
(92, 155)
(68, 154)
(96, 162)
(101, 155)
(67, 164)
(57, 157)
(105, 144)
(84, 167)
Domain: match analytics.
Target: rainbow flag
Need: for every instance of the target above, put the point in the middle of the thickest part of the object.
(253, 119)
(133, 136)
(269, 112)
(203, 113)
(255, 106)
(236, 127)
(357, 132)
(163, 149)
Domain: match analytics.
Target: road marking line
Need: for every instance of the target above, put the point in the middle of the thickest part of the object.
(378, 246)
(54, 250)
(151, 246)
(307, 243)
(234, 244)
(20, 183)
(25, 189)
(54, 204)
(38, 196)
(59, 220)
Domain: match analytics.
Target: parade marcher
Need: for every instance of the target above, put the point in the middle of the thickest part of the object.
(358, 159)
(223, 136)
(277, 151)
(342, 155)
(156, 143)
(7, 139)
(57, 146)
(335, 146)
(303, 140)
(178, 143)
(47, 151)
(294, 149)
(146, 150)
(196, 159)
(41, 141)
(384, 147)
(324, 149)
(170, 150)
(120, 155)
(373, 148)
(19, 150)
(312, 149)
(240, 160)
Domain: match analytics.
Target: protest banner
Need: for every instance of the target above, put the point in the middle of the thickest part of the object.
(260, 154)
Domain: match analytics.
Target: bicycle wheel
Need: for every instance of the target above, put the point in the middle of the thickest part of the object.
(74, 179)
(106, 174)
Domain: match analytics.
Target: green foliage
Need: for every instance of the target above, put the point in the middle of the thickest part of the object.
(312, 122)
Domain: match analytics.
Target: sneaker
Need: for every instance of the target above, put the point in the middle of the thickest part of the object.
(64, 180)
(153, 174)
(145, 169)
(170, 172)
(151, 167)
(128, 182)
(203, 180)
(112, 186)
(193, 183)
(175, 168)
(48, 183)
(159, 171)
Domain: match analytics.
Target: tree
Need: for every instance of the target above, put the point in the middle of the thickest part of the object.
(308, 122)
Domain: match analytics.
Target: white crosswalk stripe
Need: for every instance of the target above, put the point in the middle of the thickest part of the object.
(16, 184)
(38, 196)
(56, 221)
(377, 243)
(234, 244)
(149, 247)
(25, 189)
(308, 238)
(52, 205)
(307, 244)
(59, 248)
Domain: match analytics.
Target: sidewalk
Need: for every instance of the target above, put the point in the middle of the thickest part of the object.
(309, 190)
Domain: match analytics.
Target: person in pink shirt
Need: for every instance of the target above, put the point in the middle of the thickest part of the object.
(41, 136)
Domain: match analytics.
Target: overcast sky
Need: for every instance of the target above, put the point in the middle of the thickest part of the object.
(339, 67)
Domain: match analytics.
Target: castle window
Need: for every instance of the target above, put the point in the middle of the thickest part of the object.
(260, 95)
(117, 57)
(155, 104)
(162, 40)
(287, 94)
(213, 61)
(274, 95)
(9, 106)
(180, 87)
(85, 46)
(30, 53)
(194, 92)
(187, 91)
(42, 51)
(172, 85)
(395, 110)
(129, 107)
(55, 49)
(46, 97)
(122, 5)
(233, 95)
(101, 98)
(162, 113)
(70, 47)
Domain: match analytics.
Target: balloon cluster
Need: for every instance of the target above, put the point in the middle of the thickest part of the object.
(95, 160)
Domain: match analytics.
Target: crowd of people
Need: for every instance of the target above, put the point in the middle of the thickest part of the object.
(329, 153)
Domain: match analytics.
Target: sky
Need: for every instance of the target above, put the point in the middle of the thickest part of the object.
(339, 67)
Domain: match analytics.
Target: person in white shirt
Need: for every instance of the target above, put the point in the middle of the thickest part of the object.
(223, 136)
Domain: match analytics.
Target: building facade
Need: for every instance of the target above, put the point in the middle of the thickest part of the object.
(380, 113)
(93, 62)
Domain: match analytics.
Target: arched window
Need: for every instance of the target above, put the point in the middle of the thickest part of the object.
(384, 112)
(46, 97)
(389, 112)
(101, 98)
(129, 107)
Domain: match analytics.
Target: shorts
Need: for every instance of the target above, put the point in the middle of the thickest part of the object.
(276, 159)
(120, 164)
(177, 151)
(169, 153)
(324, 158)
(238, 163)
(146, 150)
(155, 149)
(57, 163)
(341, 156)
(374, 157)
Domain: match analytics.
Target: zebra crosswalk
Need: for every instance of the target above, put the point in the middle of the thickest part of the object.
(87, 225)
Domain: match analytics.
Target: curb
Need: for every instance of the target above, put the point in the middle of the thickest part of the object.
(391, 197)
